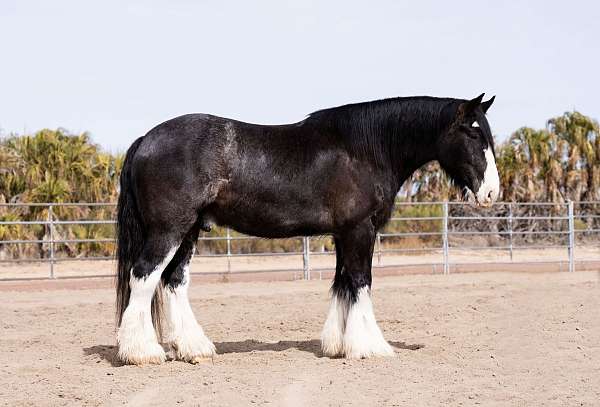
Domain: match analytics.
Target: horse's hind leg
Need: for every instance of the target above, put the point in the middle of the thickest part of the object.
(351, 294)
(183, 333)
(138, 343)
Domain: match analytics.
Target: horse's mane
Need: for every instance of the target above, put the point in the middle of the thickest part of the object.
(387, 129)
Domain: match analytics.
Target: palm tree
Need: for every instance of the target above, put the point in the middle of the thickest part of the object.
(510, 170)
(581, 136)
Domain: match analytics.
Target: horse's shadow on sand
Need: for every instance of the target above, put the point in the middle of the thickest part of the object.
(106, 352)
(109, 352)
(311, 346)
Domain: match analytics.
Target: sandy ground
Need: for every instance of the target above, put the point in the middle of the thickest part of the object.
(545, 259)
(511, 339)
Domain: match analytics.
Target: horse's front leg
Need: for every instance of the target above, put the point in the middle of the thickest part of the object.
(350, 329)
(332, 337)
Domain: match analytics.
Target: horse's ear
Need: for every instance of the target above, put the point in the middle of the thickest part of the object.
(486, 105)
(469, 106)
(473, 103)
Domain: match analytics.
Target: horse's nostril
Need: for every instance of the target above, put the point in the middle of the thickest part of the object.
(490, 195)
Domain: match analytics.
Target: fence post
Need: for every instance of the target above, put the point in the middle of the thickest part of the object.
(378, 249)
(510, 230)
(306, 257)
(571, 238)
(228, 250)
(51, 226)
(445, 238)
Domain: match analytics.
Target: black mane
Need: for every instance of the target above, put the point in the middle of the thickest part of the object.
(388, 131)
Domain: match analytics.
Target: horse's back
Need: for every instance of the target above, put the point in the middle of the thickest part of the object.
(272, 181)
(177, 134)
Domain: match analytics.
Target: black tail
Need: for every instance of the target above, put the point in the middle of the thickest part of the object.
(130, 240)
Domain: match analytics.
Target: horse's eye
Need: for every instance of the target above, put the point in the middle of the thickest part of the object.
(470, 131)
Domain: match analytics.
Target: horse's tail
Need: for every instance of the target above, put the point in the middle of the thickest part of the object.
(129, 233)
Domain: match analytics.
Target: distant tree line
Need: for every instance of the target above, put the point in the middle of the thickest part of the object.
(56, 166)
(558, 163)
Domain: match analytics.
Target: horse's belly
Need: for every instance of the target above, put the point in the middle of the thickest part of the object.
(312, 202)
(273, 219)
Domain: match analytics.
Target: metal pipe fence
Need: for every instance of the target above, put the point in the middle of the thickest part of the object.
(440, 230)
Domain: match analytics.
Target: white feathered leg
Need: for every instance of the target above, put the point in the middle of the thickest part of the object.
(362, 337)
(136, 336)
(184, 333)
(332, 337)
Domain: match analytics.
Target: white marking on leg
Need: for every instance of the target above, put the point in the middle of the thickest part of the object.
(136, 336)
(332, 337)
(490, 185)
(185, 335)
(363, 337)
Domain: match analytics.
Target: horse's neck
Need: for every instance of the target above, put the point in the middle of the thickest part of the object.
(416, 154)
(415, 146)
(399, 135)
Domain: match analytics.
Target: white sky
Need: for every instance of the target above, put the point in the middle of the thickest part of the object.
(117, 68)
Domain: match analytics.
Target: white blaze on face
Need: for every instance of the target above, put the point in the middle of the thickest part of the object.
(490, 185)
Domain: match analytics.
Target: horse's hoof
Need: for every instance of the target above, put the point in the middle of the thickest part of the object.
(199, 359)
(380, 350)
(153, 355)
(196, 350)
(332, 348)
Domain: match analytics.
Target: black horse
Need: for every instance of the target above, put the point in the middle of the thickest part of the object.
(337, 172)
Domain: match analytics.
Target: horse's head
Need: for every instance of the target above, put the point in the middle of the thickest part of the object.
(466, 152)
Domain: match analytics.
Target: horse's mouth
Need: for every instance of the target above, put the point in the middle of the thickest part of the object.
(472, 199)
(469, 196)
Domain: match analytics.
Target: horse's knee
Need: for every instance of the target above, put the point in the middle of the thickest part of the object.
(177, 272)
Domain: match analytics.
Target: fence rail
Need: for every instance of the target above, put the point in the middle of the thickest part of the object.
(448, 225)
